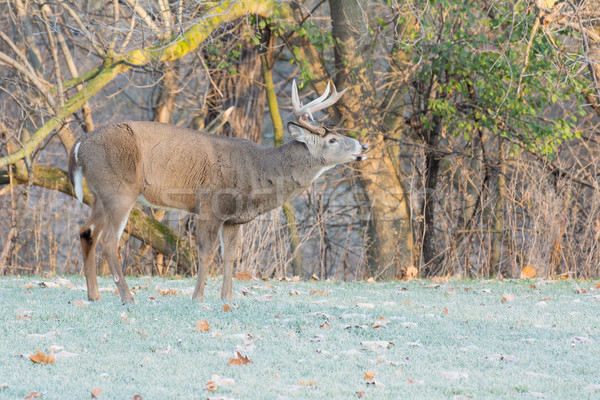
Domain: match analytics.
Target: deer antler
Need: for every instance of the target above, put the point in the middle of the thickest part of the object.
(303, 112)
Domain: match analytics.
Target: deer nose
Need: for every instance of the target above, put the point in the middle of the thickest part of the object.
(364, 147)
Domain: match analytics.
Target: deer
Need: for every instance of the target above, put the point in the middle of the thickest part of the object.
(225, 181)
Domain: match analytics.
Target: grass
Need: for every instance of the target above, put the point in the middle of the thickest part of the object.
(316, 340)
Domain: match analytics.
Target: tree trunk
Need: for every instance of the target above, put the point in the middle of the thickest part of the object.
(390, 245)
(241, 89)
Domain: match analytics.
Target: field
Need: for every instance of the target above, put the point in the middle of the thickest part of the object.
(299, 340)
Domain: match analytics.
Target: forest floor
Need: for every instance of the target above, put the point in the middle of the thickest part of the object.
(301, 340)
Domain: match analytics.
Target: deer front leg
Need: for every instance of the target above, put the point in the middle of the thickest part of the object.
(230, 240)
(207, 234)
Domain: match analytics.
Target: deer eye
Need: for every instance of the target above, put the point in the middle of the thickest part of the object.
(332, 140)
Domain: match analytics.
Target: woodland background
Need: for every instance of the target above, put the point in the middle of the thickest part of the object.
(481, 116)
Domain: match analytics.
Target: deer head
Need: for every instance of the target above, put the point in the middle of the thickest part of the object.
(323, 142)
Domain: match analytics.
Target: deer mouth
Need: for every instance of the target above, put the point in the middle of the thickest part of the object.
(359, 157)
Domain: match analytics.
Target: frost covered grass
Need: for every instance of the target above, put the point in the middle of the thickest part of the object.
(317, 340)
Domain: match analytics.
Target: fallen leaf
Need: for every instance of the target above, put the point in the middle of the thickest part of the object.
(325, 325)
(243, 276)
(528, 272)
(23, 316)
(167, 292)
(64, 354)
(265, 297)
(415, 381)
(371, 280)
(501, 357)
(507, 298)
(376, 345)
(307, 383)
(96, 392)
(293, 292)
(365, 305)
(29, 286)
(33, 395)
(220, 381)
(361, 394)
(137, 397)
(81, 303)
(323, 292)
(369, 375)
(41, 358)
(49, 334)
(445, 310)
(412, 272)
(211, 386)
(579, 289)
(226, 307)
(314, 277)
(455, 375)
(202, 326)
(239, 360)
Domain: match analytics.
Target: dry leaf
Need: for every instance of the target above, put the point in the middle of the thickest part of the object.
(579, 290)
(211, 386)
(167, 292)
(445, 311)
(264, 297)
(137, 397)
(33, 395)
(325, 325)
(323, 292)
(243, 276)
(361, 394)
(376, 345)
(239, 360)
(96, 392)
(202, 326)
(49, 334)
(314, 277)
(226, 307)
(507, 297)
(307, 383)
(371, 280)
(528, 272)
(369, 375)
(411, 272)
(41, 358)
(23, 316)
(293, 292)
(455, 375)
(81, 303)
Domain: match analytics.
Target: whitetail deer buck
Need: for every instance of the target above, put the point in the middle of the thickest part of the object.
(226, 181)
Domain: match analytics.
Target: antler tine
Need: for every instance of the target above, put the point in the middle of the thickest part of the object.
(300, 109)
(303, 112)
(335, 96)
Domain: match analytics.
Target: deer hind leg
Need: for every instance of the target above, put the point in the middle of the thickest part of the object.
(229, 250)
(207, 236)
(115, 219)
(89, 235)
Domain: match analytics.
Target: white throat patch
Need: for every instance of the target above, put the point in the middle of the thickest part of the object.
(322, 171)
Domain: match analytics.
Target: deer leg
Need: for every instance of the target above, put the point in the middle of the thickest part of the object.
(229, 251)
(109, 241)
(207, 235)
(89, 234)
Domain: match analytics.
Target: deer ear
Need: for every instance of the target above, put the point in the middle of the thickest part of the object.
(298, 133)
